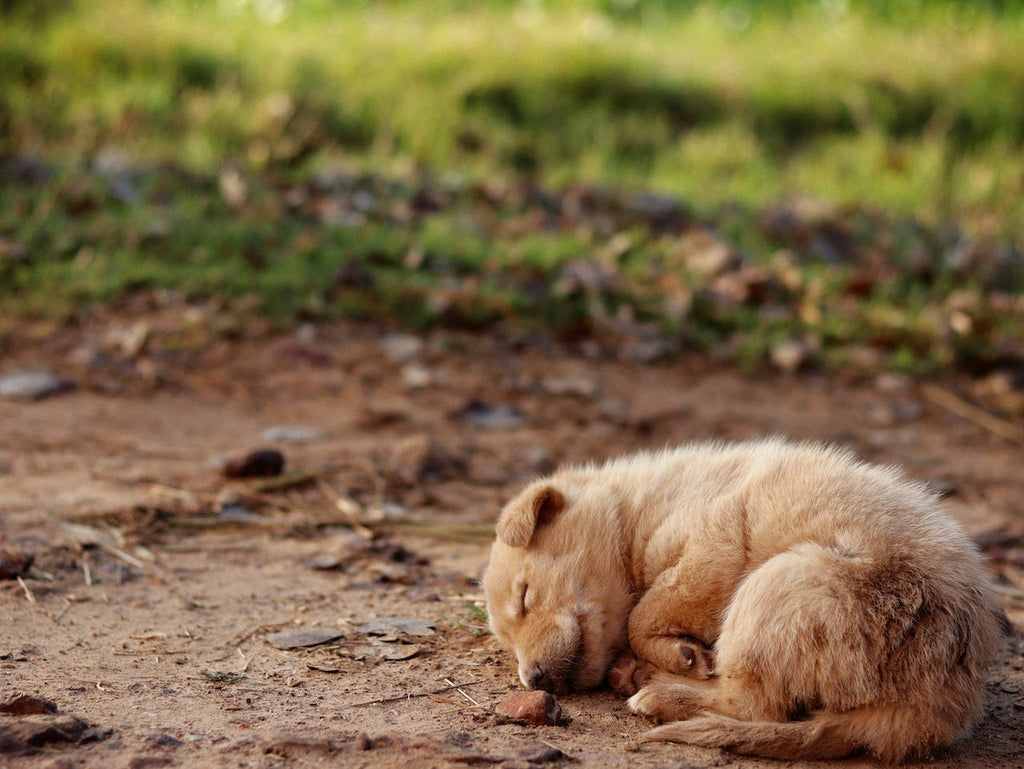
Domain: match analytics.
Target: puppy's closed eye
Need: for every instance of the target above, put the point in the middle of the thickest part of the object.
(522, 599)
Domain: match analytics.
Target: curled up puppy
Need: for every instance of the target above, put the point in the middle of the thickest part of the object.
(776, 599)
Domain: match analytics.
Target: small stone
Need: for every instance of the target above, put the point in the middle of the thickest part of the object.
(324, 563)
(26, 733)
(489, 417)
(791, 355)
(290, 434)
(532, 708)
(236, 513)
(416, 376)
(582, 386)
(163, 740)
(401, 348)
(32, 385)
(262, 463)
(542, 754)
(14, 565)
(26, 705)
(890, 383)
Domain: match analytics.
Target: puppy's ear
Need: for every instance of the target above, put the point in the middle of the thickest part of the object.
(534, 508)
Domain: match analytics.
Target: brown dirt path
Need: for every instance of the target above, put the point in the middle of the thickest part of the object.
(164, 652)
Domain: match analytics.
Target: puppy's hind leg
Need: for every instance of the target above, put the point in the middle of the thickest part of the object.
(669, 697)
(787, 640)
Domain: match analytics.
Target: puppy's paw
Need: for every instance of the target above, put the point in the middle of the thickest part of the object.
(649, 702)
(696, 659)
(663, 702)
(682, 655)
(620, 674)
(628, 674)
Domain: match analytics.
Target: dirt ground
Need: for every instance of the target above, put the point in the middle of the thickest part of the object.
(159, 587)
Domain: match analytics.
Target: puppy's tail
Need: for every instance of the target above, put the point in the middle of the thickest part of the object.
(822, 736)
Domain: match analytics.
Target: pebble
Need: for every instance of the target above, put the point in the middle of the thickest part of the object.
(290, 434)
(490, 417)
(32, 385)
(14, 564)
(162, 740)
(577, 386)
(790, 355)
(401, 348)
(262, 463)
(532, 708)
(26, 705)
(32, 732)
(416, 376)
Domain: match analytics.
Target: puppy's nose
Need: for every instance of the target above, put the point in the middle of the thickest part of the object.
(535, 677)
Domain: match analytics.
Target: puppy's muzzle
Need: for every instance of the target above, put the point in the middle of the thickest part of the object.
(536, 677)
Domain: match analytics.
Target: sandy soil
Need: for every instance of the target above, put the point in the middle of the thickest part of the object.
(158, 586)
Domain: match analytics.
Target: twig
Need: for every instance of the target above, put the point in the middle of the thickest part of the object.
(86, 572)
(346, 507)
(89, 535)
(456, 687)
(284, 482)
(470, 533)
(28, 593)
(383, 700)
(171, 492)
(64, 610)
(259, 629)
(34, 572)
(957, 405)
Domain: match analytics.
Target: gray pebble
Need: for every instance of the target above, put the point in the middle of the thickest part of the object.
(32, 385)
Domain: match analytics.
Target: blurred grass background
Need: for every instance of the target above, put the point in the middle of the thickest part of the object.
(910, 105)
(905, 109)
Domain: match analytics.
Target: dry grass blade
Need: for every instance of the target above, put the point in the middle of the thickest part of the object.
(957, 405)
(90, 535)
(28, 593)
(458, 688)
(412, 695)
(285, 481)
(470, 533)
(347, 508)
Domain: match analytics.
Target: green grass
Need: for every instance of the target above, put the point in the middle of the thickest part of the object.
(911, 106)
(856, 287)
(903, 117)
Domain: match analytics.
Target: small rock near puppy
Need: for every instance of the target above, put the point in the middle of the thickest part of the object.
(532, 708)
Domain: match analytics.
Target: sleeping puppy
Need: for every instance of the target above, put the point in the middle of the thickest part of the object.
(777, 599)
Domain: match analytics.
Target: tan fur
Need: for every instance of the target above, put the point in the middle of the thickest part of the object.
(841, 609)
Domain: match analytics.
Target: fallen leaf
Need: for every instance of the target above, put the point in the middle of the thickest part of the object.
(396, 626)
(381, 651)
(300, 637)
